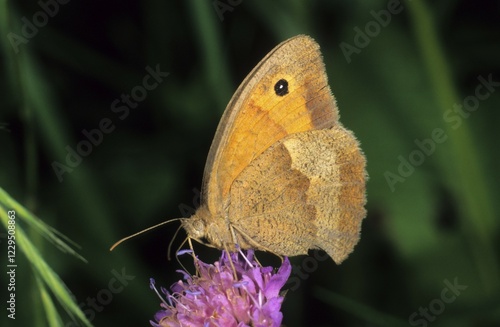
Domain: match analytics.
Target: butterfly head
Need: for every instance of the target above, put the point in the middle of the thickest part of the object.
(195, 227)
(204, 228)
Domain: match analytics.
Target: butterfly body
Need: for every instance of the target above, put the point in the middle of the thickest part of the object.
(283, 174)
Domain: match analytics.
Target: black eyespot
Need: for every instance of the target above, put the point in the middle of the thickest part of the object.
(281, 87)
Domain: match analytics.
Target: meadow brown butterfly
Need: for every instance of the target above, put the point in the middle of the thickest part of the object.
(283, 175)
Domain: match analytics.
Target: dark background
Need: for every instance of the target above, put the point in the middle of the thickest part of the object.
(440, 224)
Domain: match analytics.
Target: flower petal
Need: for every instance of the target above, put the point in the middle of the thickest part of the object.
(214, 297)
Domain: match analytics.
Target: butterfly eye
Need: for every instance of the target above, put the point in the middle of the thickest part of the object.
(281, 87)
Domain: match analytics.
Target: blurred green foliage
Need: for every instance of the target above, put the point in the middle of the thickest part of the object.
(433, 223)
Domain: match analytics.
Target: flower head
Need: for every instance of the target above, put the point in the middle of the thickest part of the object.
(215, 297)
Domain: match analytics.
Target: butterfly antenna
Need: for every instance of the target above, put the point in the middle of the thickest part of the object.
(142, 231)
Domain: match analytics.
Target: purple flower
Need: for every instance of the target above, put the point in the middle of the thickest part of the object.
(215, 298)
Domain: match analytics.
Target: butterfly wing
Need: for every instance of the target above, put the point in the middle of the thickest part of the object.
(264, 110)
(307, 191)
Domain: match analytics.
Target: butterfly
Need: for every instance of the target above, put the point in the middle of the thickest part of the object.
(283, 174)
